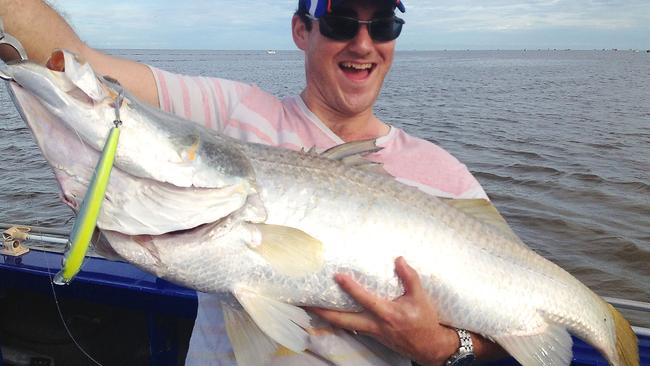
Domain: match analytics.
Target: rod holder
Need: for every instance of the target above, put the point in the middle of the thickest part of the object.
(12, 241)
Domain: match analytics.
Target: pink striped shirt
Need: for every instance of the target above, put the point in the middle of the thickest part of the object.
(246, 112)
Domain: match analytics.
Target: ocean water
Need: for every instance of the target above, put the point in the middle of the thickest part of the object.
(560, 140)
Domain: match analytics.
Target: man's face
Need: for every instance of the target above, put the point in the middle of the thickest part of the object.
(346, 76)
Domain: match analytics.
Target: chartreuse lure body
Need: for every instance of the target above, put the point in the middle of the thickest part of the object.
(84, 225)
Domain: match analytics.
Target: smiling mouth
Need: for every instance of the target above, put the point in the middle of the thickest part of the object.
(357, 71)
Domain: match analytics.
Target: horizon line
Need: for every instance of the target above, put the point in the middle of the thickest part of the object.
(397, 50)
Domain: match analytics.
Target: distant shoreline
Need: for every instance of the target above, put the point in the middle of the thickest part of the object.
(398, 50)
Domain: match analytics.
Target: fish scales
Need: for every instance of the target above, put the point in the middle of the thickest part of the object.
(409, 203)
(499, 252)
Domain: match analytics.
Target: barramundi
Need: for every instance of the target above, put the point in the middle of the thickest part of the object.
(268, 228)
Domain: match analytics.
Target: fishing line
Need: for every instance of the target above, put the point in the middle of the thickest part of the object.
(65, 325)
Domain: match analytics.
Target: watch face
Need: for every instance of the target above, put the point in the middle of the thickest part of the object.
(465, 359)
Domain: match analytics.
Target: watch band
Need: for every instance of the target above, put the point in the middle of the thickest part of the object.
(465, 354)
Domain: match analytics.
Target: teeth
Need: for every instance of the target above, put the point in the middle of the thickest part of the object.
(357, 66)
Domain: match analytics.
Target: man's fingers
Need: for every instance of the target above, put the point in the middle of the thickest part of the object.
(409, 277)
(360, 322)
(367, 300)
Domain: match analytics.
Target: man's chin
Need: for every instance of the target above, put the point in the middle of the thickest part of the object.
(357, 104)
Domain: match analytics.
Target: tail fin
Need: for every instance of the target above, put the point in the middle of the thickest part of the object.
(627, 345)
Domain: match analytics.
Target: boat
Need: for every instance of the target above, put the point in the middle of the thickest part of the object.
(271, 52)
(110, 302)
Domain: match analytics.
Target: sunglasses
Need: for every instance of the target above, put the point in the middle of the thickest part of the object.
(341, 28)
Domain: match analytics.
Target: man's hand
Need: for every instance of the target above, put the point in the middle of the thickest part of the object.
(408, 325)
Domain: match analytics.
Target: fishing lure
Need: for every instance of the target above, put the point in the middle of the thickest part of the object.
(84, 225)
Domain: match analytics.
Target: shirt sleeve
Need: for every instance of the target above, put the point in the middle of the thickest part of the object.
(428, 167)
(207, 101)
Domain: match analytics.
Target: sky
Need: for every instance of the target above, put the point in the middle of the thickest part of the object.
(430, 24)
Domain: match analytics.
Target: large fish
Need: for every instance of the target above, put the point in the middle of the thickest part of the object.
(268, 228)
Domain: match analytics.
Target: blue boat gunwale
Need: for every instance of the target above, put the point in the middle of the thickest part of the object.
(122, 284)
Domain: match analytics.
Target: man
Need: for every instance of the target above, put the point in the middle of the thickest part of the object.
(349, 47)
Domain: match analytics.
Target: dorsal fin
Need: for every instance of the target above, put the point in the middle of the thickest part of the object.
(356, 160)
(348, 149)
(352, 154)
(483, 210)
(311, 151)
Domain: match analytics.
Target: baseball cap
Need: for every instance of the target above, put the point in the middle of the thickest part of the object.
(318, 8)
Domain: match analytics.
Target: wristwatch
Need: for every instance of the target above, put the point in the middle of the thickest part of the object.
(465, 354)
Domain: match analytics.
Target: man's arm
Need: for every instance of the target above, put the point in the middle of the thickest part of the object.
(41, 30)
(408, 325)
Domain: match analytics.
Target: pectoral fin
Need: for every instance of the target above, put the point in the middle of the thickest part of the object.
(288, 250)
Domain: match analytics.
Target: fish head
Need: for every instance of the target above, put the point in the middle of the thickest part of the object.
(68, 95)
(162, 166)
(69, 90)
(60, 104)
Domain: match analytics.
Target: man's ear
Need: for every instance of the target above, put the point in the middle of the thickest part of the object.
(299, 32)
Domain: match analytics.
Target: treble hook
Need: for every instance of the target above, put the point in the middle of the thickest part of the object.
(118, 104)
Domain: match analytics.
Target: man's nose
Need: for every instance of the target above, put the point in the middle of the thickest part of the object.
(362, 42)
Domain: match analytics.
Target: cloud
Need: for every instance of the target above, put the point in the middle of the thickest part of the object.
(260, 24)
(169, 23)
(466, 15)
